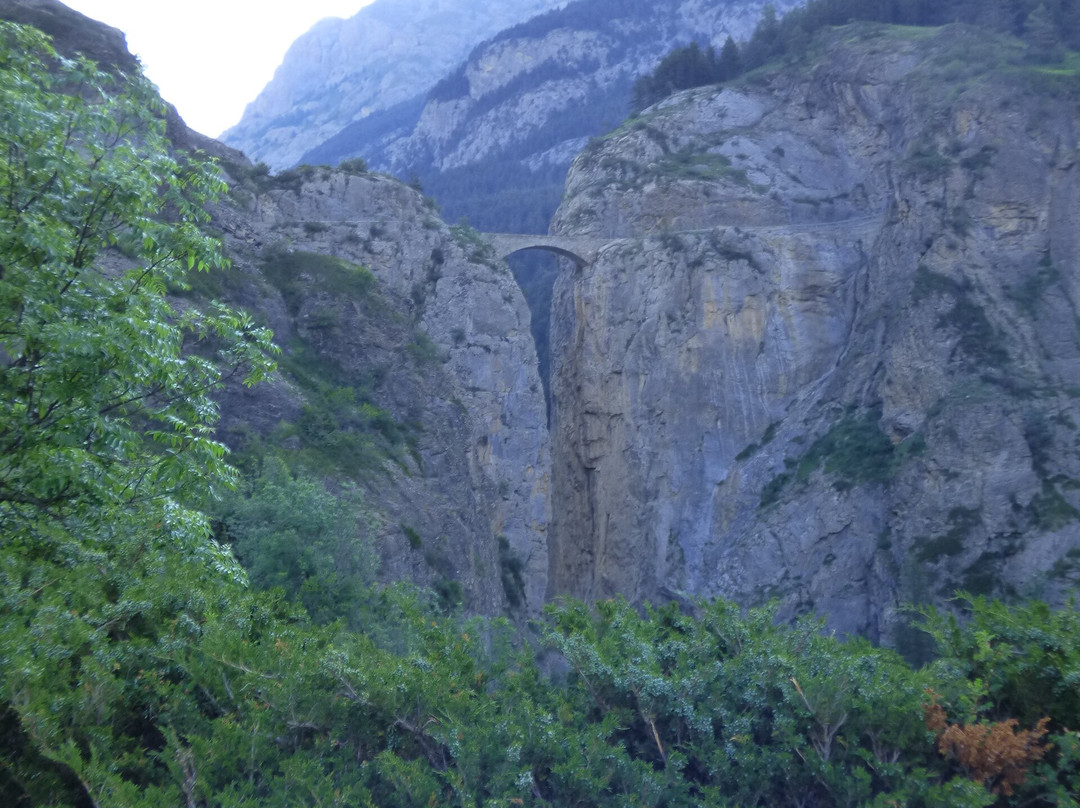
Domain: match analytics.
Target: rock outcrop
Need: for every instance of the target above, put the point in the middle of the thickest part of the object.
(72, 32)
(367, 289)
(836, 359)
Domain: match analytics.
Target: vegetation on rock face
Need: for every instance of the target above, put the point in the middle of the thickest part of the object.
(687, 67)
(292, 534)
(293, 272)
(1048, 29)
(340, 428)
(854, 451)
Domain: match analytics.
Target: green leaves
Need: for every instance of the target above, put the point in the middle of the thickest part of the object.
(106, 420)
(728, 707)
(292, 533)
(99, 402)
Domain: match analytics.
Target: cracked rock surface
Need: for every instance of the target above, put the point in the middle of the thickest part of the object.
(836, 359)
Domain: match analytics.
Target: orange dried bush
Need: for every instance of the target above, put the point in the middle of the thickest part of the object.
(996, 755)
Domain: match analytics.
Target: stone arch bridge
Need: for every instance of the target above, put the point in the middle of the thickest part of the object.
(582, 250)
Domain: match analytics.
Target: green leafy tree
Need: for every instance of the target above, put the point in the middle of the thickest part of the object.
(1017, 663)
(291, 532)
(731, 708)
(101, 404)
(106, 416)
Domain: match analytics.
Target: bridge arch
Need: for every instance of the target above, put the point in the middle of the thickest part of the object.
(562, 252)
(582, 250)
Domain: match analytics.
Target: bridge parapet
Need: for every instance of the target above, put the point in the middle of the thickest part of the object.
(583, 250)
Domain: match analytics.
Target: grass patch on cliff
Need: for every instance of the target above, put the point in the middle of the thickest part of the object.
(979, 339)
(909, 32)
(961, 522)
(924, 160)
(1069, 66)
(511, 570)
(297, 274)
(691, 165)
(413, 537)
(928, 283)
(478, 249)
(1033, 289)
(423, 351)
(766, 439)
(1068, 565)
(1049, 510)
(340, 429)
(853, 452)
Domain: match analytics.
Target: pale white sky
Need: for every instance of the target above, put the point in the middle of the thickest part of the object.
(211, 57)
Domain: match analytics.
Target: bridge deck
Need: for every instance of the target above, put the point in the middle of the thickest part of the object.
(584, 249)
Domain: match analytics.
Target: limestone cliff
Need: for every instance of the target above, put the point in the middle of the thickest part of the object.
(367, 289)
(835, 358)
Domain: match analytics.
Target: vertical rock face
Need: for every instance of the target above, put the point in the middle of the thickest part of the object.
(440, 341)
(835, 357)
(657, 391)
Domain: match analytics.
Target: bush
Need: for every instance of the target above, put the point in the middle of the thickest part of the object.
(290, 532)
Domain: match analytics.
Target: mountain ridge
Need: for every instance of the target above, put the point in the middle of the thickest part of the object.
(342, 70)
(513, 114)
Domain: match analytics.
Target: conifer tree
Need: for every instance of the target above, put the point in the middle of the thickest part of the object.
(1042, 35)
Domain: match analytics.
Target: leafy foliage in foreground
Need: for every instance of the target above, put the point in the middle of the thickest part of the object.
(106, 414)
(290, 532)
(247, 704)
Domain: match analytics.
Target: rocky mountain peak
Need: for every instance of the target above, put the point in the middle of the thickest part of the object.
(343, 70)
